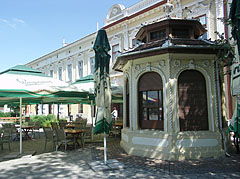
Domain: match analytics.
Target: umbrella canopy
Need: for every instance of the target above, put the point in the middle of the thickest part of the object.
(102, 91)
(235, 122)
(86, 84)
(22, 81)
(235, 76)
(234, 15)
(235, 19)
(102, 83)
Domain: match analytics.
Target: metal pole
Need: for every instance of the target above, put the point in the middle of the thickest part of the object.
(220, 111)
(58, 111)
(238, 115)
(105, 149)
(92, 114)
(20, 125)
(42, 108)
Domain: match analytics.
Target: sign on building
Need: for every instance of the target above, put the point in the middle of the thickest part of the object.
(236, 78)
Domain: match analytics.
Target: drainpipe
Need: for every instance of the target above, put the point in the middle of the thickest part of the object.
(224, 138)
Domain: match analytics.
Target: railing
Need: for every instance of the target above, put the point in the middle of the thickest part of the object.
(11, 119)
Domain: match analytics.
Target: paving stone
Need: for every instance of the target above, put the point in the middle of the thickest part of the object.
(75, 164)
(98, 166)
(12, 155)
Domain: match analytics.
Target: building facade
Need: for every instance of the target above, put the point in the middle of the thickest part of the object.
(170, 93)
(76, 60)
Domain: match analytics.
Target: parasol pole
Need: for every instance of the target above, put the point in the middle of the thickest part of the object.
(20, 125)
(105, 149)
(92, 114)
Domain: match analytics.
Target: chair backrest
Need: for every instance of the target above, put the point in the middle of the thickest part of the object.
(88, 132)
(14, 129)
(79, 126)
(30, 123)
(48, 132)
(54, 125)
(83, 122)
(37, 125)
(60, 134)
(6, 125)
(63, 121)
(7, 131)
(78, 119)
(62, 124)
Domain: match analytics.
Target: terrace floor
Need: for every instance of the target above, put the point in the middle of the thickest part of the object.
(75, 163)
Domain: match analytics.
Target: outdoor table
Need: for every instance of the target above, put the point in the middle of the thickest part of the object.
(70, 125)
(75, 133)
(26, 130)
(120, 124)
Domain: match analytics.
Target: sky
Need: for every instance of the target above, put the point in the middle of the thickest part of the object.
(30, 29)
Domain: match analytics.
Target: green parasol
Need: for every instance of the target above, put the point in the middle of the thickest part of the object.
(234, 15)
(102, 83)
(25, 84)
(102, 91)
(235, 76)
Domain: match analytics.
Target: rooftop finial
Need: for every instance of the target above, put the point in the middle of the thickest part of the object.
(168, 7)
(64, 43)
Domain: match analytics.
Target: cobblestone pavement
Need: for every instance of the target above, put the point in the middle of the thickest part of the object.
(74, 164)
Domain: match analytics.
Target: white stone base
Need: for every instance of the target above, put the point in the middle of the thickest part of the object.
(178, 146)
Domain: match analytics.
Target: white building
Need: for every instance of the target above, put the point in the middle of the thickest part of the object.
(76, 60)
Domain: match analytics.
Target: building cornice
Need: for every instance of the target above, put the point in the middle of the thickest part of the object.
(137, 13)
(60, 50)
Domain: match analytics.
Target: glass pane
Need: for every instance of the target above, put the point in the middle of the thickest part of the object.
(160, 98)
(161, 113)
(80, 69)
(153, 113)
(51, 73)
(60, 73)
(144, 114)
(144, 98)
(153, 98)
(92, 65)
(70, 72)
(115, 48)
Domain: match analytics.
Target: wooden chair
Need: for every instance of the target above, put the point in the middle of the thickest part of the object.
(36, 128)
(61, 139)
(62, 124)
(54, 125)
(115, 130)
(49, 137)
(5, 137)
(87, 134)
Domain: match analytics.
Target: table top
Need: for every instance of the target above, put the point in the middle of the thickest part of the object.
(70, 125)
(27, 127)
(73, 131)
(118, 124)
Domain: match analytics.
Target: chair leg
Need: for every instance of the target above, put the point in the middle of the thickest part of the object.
(53, 143)
(9, 148)
(45, 146)
(83, 140)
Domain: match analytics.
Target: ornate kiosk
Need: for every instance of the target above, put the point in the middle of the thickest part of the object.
(170, 98)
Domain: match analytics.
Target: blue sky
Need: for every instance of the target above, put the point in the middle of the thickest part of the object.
(30, 29)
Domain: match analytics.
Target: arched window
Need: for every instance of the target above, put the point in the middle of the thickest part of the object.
(192, 100)
(127, 103)
(150, 92)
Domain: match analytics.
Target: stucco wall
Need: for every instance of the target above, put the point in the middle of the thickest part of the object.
(171, 143)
